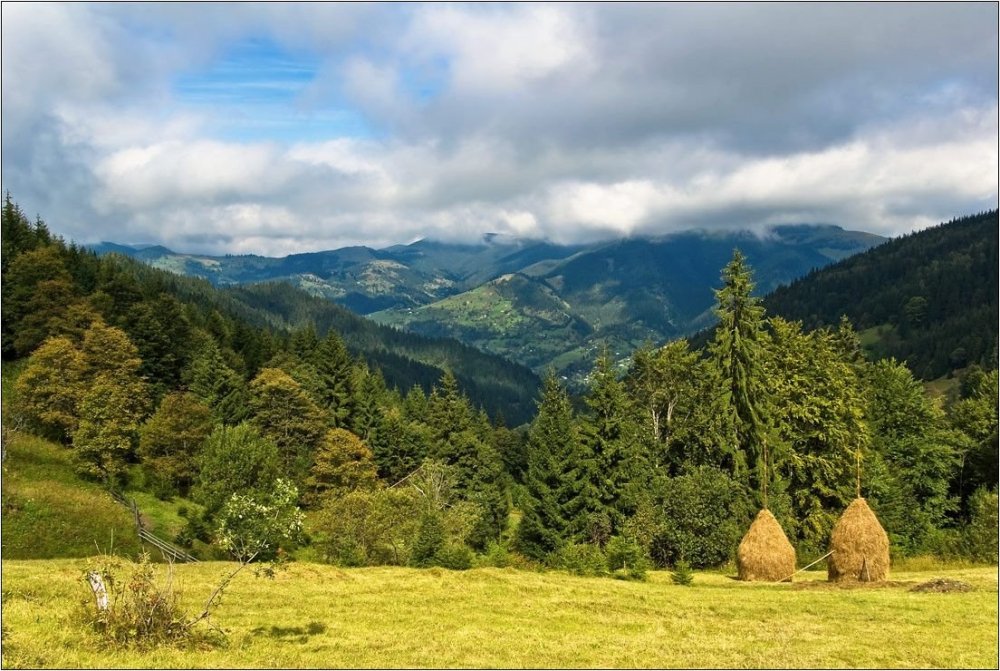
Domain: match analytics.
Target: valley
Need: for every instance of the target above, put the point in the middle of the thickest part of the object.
(539, 304)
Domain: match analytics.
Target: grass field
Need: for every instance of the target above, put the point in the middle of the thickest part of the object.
(319, 616)
(48, 511)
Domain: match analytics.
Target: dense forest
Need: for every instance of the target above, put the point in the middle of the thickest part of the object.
(189, 391)
(928, 299)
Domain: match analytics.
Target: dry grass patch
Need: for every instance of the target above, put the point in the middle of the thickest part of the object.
(319, 616)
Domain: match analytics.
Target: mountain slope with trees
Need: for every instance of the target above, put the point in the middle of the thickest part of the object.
(561, 313)
(928, 298)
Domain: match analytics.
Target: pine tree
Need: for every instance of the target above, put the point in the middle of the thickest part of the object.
(736, 352)
(215, 383)
(37, 289)
(334, 367)
(611, 437)
(553, 514)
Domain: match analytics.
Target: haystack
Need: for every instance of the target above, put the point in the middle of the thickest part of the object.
(765, 553)
(859, 546)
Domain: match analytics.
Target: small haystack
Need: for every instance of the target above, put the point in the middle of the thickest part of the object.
(765, 553)
(859, 546)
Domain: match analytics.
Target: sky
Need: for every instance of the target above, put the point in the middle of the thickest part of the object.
(276, 128)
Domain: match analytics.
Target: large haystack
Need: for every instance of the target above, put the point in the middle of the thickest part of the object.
(765, 553)
(859, 546)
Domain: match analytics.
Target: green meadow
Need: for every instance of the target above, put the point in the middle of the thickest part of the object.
(314, 615)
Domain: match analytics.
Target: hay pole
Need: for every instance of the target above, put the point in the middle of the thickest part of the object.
(766, 473)
(807, 566)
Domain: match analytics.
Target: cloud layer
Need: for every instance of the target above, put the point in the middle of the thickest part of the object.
(277, 128)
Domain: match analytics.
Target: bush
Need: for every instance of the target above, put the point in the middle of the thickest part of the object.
(138, 612)
(580, 559)
(454, 556)
(704, 515)
(497, 555)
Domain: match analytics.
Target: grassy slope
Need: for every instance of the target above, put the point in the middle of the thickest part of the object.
(48, 511)
(321, 616)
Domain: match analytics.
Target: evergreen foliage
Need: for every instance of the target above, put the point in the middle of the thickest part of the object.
(931, 296)
(736, 352)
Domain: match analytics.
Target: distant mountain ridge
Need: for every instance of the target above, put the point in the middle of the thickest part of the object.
(534, 302)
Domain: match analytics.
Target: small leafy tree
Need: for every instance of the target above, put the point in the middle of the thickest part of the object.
(343, 463)
(233, 460)
(254, 527)
(49, 389)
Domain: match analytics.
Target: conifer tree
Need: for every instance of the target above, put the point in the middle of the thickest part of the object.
(736, 352)
(334, 367)
(553, 512)
(37, 288)
(610, 435)
(210, 379)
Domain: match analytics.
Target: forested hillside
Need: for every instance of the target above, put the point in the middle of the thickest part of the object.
(166, 385)
(928, 298)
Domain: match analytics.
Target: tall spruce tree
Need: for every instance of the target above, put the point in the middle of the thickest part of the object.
(334, 367)
(610, 434)
(553, 511)
(736, 351)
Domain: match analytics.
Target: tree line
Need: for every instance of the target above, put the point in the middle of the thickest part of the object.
(664, 459)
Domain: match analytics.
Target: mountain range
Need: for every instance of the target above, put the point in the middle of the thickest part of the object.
(535, 302)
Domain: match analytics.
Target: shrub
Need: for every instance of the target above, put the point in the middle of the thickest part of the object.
(138, 611)
(704, 515)
(580, 559)
(496, 555)
(454, 556)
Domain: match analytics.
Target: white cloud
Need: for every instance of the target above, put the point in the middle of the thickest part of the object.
(566, 121)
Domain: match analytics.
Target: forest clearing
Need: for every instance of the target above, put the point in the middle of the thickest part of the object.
(313, 615)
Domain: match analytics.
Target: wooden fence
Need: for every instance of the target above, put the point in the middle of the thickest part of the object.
(169, 550)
